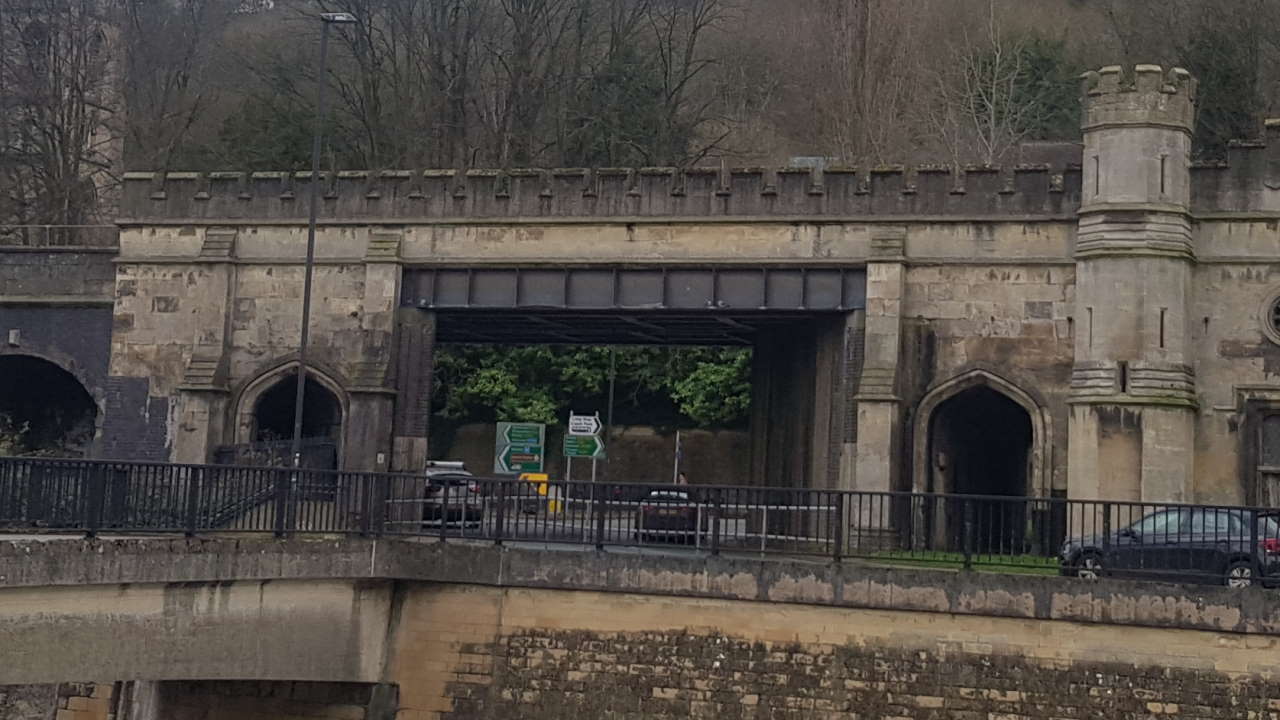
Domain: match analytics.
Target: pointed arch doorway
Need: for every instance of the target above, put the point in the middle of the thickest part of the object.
(979, 435)
(264, 419)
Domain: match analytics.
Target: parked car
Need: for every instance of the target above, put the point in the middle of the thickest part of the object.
(1183, 544)
(452, 496)
(628, 492)
(668, 515)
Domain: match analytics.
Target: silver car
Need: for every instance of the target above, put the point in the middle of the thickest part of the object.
(451, 496)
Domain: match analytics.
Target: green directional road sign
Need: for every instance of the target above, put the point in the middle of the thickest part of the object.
(520, 448)
(522, 433)
(583, 446)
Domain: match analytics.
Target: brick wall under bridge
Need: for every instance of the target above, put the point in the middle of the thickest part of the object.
(57, 288)
(463, 631)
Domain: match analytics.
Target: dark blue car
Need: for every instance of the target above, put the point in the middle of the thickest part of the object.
(1183, 544)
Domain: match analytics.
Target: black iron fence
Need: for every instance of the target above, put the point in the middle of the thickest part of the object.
(1087, 538)
(317, 454)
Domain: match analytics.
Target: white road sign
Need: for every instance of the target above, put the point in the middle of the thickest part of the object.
(584, 425)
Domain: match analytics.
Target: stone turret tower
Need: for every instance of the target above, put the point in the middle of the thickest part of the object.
(1132, 419)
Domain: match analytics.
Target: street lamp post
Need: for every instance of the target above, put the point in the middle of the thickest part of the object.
(326, 19)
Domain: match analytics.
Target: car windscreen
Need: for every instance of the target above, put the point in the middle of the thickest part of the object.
(668, 496)
(1269, 527)
(453, 480)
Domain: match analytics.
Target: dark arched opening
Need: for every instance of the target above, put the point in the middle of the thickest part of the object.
(980, 444)
(321, 421)
(43, 409)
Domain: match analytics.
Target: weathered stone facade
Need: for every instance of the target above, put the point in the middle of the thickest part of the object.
(1118, 312)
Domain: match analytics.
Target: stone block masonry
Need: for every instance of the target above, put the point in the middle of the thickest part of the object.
(471, 653)
(249, 700)
(197, 700)
(63, 701)
(87, 701)
(689, 675)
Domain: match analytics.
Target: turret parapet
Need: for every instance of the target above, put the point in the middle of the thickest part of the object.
(706, 192)
(1148, 95)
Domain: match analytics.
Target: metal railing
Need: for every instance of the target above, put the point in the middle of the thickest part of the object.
(59, 237)
(317, 454)
(1087, 538)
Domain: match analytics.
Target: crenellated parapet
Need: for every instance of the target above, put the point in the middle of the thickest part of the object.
(1249, 180)
(401, 195)
(1146, 95)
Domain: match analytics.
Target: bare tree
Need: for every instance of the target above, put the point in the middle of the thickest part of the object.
(844, 75)
(874, 78)
(57, 75)
(529, 44)
(171, 49)
(982, 111)
(679, 28)
(403, 76)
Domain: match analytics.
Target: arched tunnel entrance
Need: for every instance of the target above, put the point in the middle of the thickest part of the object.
(43, 409)
(980, 444)
(274, 414)
(272, 427)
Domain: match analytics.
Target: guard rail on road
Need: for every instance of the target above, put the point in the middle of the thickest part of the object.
(1016, 534)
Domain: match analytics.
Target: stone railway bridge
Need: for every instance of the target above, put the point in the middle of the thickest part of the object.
(219, 628)
(1104, 327)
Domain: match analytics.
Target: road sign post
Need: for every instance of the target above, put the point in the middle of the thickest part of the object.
(583, 441)
(519, 448)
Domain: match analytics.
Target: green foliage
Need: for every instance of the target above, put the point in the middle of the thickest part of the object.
(267, 134)
(703, 387)
(12, 437)
(717, 392)
(16, 440)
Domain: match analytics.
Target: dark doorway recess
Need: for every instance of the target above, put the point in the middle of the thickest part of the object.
(980, 442)
(45, 408)
(321, 424)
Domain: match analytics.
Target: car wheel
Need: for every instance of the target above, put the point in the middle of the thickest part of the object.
(1239, 574)
(1090, 567)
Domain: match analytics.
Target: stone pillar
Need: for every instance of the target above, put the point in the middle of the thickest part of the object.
(368, 434)
(415, 369)
(203, 395)
(1131, 431)
(879, 408)
(877, 433)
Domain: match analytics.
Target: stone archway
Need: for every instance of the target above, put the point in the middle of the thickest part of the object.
(1041, 443)
(45, 408)
(979, 434)
(980, 444)
(264, 414)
